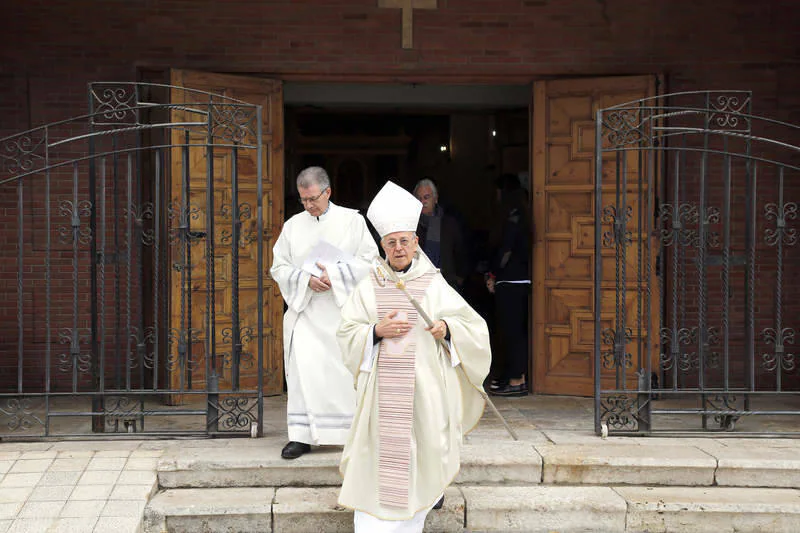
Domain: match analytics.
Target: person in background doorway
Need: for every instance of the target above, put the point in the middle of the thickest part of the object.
(321, 399)
(441, 236)
(509, 280)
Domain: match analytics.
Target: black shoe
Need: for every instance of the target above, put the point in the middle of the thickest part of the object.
(512, 390)
(497, 384)
(439, 503)
(293, 450)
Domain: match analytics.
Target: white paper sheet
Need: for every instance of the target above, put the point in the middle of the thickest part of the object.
(325, 253)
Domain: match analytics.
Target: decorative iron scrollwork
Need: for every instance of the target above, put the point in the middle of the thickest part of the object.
(234, 413)
(616, 357)
(245, 237)
(246, 360)
(728, 111)
(21, 414)
(181, 340)
(125, 410)
(114, 104)
(779, 355)
(624, 127)
(141, 339)
(781, 215)
(77, 230)
(617, 234)
(233, 123)
(619, 412)
(75, 358)
(24, 153)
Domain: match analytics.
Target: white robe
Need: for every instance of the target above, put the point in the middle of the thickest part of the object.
(447, 402)
(321, 400)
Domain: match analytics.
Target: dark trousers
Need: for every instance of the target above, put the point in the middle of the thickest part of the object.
(511, 304)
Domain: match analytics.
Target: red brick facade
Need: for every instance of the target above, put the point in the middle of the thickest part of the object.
(53, 48)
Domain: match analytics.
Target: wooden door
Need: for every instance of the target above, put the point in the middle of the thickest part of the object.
(268, 94)
(563, 161)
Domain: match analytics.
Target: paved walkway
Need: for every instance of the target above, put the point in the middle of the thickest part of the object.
(103, 486)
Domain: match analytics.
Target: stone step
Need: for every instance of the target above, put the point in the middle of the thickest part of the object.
(535, 509)
(612, 464)
(489, 462)
(711, 509)
(262, 510)
(501, 462)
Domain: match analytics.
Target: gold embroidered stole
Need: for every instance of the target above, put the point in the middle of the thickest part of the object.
(396, 392)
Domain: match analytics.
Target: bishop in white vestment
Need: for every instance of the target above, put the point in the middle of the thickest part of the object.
(416, 400)
(321, 400)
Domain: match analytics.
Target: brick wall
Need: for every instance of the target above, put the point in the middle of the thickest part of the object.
(52, 48)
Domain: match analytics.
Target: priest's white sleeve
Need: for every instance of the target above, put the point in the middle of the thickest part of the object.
(292, 280)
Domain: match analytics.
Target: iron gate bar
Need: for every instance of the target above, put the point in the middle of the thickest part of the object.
(701, 356)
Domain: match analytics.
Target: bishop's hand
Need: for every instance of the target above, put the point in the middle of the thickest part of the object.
(438, 330)
(392, 326)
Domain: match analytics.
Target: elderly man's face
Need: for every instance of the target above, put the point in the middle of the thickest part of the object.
(400, 248)
(425, 195)
(314, 200)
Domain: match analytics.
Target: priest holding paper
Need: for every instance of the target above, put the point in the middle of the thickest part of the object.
(416, 398)
(319, 258)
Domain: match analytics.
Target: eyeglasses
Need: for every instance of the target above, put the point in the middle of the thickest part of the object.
(405, 242)
(311, 199)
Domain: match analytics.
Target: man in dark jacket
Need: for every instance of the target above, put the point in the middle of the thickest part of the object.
(440, 235)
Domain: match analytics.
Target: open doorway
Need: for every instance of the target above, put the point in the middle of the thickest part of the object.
(462, 138)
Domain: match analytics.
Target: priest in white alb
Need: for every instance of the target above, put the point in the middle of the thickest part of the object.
(319, 258)
(419, 387)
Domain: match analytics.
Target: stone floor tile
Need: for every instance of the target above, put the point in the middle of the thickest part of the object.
(10, 510)
(131, 492)
(91, 492)
(99, 477)
(31, 525)
(39, 454)
(21, 480)
(8, 455)
(97, 445)
(51, 493)
(69, 465)
(40, 509)
(106, 463)
(60, 478)
(5, 466)
(136, 477)
(124, 508)
(141, 453)
(73, 525)
(105, 454)
(4, 525)
(117, 524)
(75, 454)
(15, 494)
(83, 508)
(30, 465)
(142, 463)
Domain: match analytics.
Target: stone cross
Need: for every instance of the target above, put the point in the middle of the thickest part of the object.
(408, 7)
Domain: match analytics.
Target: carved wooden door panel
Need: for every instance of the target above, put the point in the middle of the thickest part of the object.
(563, 140)
(268, 94)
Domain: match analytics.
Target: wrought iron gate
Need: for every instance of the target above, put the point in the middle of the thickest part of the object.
(107, 252)
(696, 289)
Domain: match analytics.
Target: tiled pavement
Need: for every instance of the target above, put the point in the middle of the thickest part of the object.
(76, 487)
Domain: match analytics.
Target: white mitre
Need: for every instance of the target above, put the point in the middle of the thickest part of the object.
(394, 209)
